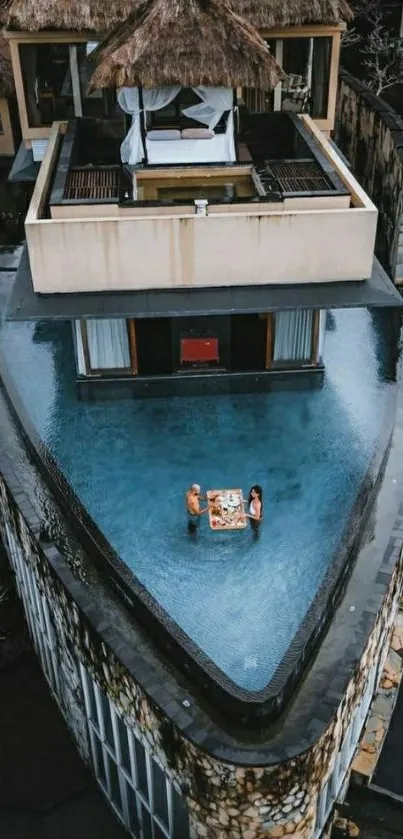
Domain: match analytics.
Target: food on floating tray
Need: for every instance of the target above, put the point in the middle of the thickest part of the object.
(215, 511)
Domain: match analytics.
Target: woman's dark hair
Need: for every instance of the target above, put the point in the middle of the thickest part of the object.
(259, 491)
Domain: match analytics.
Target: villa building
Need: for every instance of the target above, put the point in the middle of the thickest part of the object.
(192, 233)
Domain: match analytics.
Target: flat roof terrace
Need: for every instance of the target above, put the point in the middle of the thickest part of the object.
(276, 216)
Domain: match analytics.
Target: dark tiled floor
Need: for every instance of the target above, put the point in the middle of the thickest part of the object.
(377, 817)
(389, 773)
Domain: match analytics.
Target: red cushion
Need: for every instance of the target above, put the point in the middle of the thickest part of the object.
(199, 349)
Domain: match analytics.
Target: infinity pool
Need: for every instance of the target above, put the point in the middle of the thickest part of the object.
(240, 599)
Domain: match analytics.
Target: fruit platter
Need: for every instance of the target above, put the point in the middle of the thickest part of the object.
(226, 509)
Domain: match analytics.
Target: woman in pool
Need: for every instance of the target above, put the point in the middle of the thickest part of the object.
(255, 506)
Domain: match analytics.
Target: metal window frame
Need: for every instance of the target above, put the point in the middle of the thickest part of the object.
(124, 777)
(36, 612)
(333, 786)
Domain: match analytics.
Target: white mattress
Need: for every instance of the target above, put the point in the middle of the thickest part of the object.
(216, 150)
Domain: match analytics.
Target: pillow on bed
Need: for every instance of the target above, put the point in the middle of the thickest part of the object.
(197, 134)
(164, 134)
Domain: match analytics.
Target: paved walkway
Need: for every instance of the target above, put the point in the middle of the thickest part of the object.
(46, 792)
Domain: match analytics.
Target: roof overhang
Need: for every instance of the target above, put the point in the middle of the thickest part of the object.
(377, 291)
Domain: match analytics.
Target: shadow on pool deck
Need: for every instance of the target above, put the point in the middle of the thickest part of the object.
(389, 772)
(46, 791)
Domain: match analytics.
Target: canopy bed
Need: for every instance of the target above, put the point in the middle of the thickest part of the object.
(190, 145)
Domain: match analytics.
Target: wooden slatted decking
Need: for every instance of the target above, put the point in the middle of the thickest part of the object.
(92, 184)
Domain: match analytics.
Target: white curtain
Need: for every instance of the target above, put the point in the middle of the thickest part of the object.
(215, 100)
(131, 150)
(156, 98)
(108, 345)
(293, 335)
(80, 360)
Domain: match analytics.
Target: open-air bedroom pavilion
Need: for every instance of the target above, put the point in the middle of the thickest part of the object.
(194, 54)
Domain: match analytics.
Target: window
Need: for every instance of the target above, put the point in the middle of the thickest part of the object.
(322, 49)
(334, 786)
(56, 83)
(95, 103)
(135, 783)
(47, 83)
(293, 338)
(307, 64)
(306, 61)
(105, 347)
(36, 611)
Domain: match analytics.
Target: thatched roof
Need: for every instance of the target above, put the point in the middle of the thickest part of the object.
(75, 15)
(102, 15)
(187, 42)
(270, 14)
(6, 72)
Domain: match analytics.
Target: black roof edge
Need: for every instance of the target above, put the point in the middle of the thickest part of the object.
(377, 291)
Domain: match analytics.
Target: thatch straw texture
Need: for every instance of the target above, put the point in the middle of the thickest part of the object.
(187, 42)
(6, 72)
(102, 15)
(270, 14)
(76, 15)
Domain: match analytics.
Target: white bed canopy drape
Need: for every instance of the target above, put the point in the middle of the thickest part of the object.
(214, 102)
(154, 99)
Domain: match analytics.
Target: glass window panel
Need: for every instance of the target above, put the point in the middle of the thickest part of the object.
(114, 781)
(91, 697)
(97, 104)
(106, 711)
(124, 745)
(100, 768)
(296, 56)
(180, 816)
(160, 793)
(158, 833)
(132, 809)
(142, 782)
(146, 823)
(47, 83)
(297, 63)
(322, 49)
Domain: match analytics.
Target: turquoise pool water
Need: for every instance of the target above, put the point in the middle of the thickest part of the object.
(240, 599)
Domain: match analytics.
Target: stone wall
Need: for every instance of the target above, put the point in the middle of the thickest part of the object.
(370, 135)
(225, 801)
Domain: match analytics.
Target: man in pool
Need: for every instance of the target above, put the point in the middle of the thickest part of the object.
(194, 512)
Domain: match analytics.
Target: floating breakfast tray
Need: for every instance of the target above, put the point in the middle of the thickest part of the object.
(226, 509)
